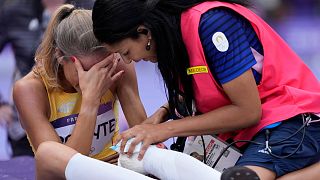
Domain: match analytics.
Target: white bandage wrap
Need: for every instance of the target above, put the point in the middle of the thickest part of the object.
(131, 163)
(172, 165)
(166, 164)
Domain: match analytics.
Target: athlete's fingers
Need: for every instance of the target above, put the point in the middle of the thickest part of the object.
(117, 76)
(106, 61)
(115, 163)
(77, 64)
(111, 158)
(114, 66)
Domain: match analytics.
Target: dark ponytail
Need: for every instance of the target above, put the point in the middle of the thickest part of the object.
(115, 20)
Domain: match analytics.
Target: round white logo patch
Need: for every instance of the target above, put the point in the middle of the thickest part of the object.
(220, 41)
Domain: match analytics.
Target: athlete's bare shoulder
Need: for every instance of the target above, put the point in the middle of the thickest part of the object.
(30, 93)
(29, 82)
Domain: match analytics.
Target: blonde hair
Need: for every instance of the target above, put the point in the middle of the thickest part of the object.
(69, 30)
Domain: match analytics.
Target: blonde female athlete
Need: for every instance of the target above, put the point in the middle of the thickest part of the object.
(71, 94)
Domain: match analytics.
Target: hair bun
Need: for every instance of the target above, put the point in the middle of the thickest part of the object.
(67, 13)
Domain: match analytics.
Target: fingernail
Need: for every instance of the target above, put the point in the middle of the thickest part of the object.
(73, 59)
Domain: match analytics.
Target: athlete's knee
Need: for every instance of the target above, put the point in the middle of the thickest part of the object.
(49, 164)
(43, 151)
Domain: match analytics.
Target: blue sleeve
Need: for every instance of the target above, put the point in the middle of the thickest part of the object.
(233, 57)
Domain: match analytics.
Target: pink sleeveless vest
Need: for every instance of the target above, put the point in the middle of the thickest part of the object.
(287, 87)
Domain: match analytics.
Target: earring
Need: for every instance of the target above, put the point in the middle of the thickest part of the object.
(148, 47)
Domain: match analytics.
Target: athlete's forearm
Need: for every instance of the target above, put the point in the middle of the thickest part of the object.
(81, 136)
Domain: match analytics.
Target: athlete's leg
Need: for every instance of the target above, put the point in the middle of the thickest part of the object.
(52, 159)
(57, 161)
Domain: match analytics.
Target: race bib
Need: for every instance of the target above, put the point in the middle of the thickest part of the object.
(104, 129)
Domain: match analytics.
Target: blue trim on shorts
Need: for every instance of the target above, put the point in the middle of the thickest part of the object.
(272, 125)
(308, 153)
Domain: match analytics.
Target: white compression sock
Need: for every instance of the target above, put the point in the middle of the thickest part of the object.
(81, 167)
(167, 165)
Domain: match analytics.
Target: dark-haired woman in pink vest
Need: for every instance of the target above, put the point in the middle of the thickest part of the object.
(244, 80)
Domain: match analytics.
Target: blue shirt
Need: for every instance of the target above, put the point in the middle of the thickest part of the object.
(228, 65)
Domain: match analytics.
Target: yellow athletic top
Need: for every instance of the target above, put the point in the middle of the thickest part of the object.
(65, 107)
